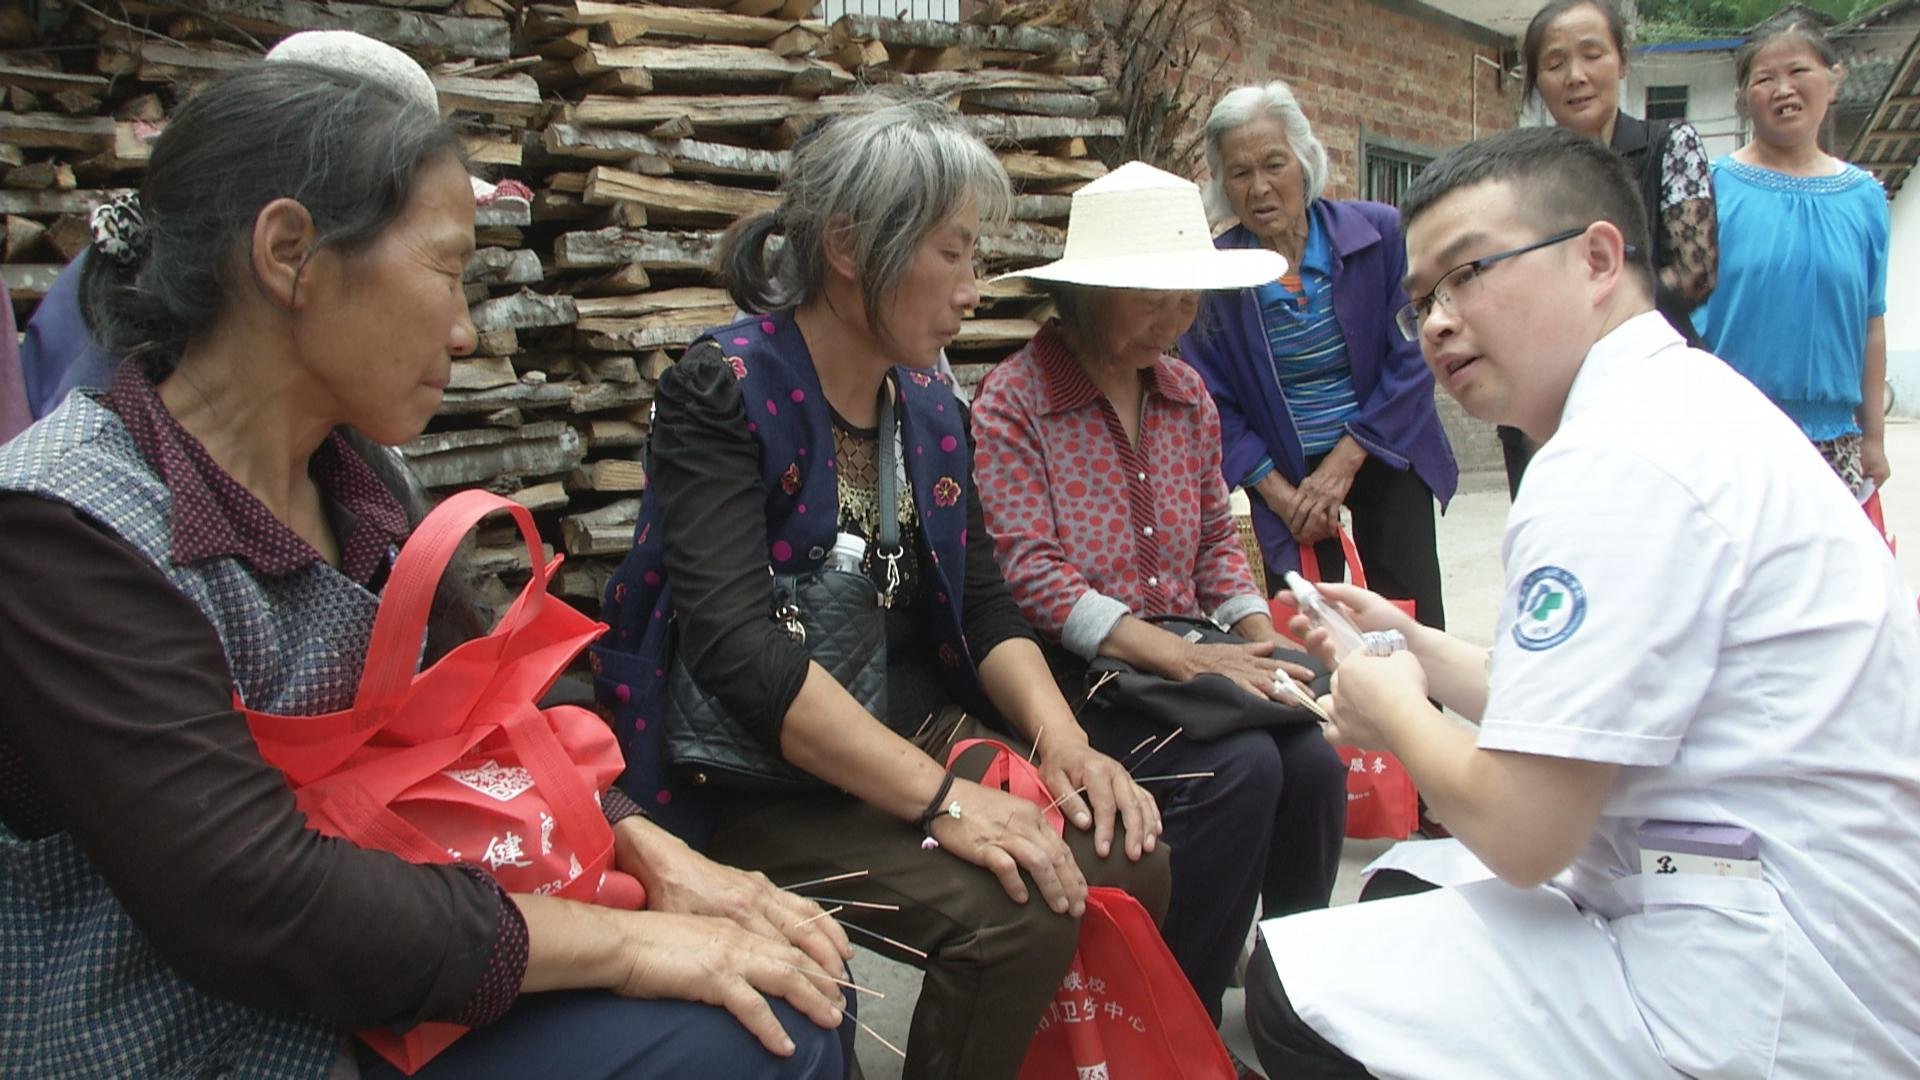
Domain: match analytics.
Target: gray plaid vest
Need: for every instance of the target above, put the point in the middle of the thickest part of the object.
(82, 993)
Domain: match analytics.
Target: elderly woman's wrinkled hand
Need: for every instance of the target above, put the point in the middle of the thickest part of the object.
(1005, 834)
(1317, 501)
(681, 880)
(1251, 667)
(1071, 766)
(714, 961)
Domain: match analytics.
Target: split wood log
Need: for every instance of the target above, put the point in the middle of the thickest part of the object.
(982, 333)
(651, 249)
(551, 495)
(503, 266)
(1050, 170)
(684, 22)
(487, 39)
(1041, 207)
(1035, 102)
(676, 201)
(713, 63)
(585, 581)
(619, 369)
(492, 150)
(46, 131)
(518, 395)
(512, 97)
(69, 235)
(672, 328)
(38, 176)
(607, 474)
(862, 56)
(615, 434)
(509, 213)
(652, 303)
(999, 127)
(482, 373)
(498, 343)
(948, 83)
(600, 397)
(23, 239)
(48, 81)
(951, 58)
(1022, 243)
(627, 82)
(479, 455)
(594, 527)
(704, 111)
(802, 40)
(927, 33)
(523, 310)
(680, 155)
(625, 281)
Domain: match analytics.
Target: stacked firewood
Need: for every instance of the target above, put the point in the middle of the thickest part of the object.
(642, 131)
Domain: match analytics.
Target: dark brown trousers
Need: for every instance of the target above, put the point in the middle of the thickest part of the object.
(992, 965)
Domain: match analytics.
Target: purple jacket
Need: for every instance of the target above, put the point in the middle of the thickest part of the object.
(1397, 423)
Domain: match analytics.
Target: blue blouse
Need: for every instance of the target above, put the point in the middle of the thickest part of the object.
(1803, 267)
(1309, 353)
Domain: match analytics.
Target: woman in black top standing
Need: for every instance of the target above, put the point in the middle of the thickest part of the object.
(1576, 58)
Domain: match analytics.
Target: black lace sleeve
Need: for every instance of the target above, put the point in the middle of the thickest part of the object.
(1688, 217)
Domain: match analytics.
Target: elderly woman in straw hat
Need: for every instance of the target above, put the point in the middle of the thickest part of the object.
(1323, 402)
(1098, 462)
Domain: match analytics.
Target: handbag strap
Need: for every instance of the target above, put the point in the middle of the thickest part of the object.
(393, 649)
(889, 551)
(1356, 572)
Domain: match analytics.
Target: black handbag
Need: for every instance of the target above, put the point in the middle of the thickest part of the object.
(839, 616)
(1207, 706)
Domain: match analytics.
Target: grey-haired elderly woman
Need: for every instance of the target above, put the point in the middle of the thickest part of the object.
(771, 439)
(221, 520)
(1323, 401)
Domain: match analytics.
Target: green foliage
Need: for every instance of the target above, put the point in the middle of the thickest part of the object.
(1680, 20)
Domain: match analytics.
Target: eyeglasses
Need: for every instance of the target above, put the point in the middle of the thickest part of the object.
(1454, 284)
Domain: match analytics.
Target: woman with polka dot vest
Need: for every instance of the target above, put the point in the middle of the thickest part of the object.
(766, 449)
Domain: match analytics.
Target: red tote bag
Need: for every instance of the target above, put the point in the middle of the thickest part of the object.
(1382, 803)
(457, 763)
(1125, 1009)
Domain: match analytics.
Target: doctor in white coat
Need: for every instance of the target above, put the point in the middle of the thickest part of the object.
(1699, 626)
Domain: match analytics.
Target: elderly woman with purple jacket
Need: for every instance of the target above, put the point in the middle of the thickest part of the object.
(1323, 404)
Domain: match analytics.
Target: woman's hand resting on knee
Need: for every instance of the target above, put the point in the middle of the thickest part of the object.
(663, 955)
(1005, 834)
(680, 879)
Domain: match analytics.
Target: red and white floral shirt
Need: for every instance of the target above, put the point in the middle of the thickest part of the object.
(1088, 526)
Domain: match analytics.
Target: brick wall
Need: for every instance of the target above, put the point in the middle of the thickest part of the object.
(1392, 70)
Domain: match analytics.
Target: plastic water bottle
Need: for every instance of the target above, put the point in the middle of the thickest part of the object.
(849, 551)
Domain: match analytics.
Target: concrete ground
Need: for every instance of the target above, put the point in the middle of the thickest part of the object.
(1469, 536)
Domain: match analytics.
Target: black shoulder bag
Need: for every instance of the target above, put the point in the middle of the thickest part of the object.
(1207, 706)
(838, 615)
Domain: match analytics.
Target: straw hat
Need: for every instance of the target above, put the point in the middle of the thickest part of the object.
(1139, 227)
(358, 54)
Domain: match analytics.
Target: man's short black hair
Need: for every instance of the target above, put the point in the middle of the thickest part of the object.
(1561, 179)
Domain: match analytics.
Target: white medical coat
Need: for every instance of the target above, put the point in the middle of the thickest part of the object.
(1692, 595)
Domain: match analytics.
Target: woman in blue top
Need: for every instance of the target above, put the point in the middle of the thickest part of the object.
(1803, 257)
(1323, 403)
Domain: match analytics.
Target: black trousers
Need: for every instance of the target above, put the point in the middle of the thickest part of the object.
(1265, 827)
(1287, 1045)
(1393, 528)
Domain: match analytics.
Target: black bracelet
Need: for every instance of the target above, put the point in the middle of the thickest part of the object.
(934, 809)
